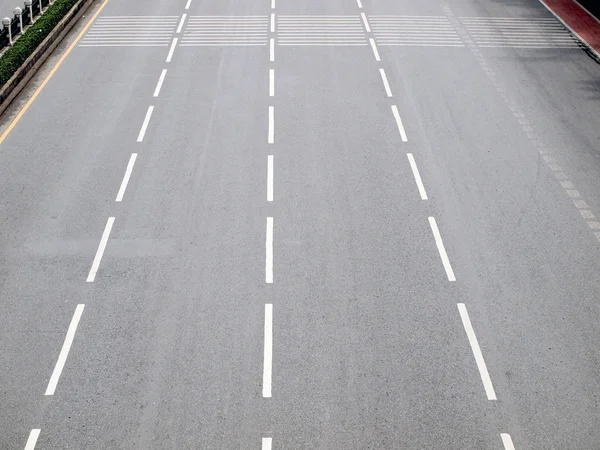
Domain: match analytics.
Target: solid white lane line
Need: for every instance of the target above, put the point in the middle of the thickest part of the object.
(161, 80)
(415, 171)
(270, 178)
(399, 123)
(359, 3)
(180, 27)
(273, 23)
(126, 177)
(145, 124)
(441, 249)
(374, 47)
(364, 18)
(386, 85)
(187, 5)
(33, 437)
(172, 49)
(507, 441)
(271, 124)
(271, 82)
(269, 251)
(64, 352)
(100, 251)
(266, 443)
(483, 372)
(272, 50)
(268, 358)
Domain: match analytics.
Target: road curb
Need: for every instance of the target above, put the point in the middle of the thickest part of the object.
(587, 47)
(31, 65)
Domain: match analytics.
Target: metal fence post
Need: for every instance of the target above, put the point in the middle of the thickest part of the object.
(6, 22)
(41, 8)
(28, 4)
(19, 13)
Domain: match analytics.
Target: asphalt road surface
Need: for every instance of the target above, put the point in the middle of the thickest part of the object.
(304, 225)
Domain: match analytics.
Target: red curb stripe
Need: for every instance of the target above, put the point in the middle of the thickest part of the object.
(585, 26)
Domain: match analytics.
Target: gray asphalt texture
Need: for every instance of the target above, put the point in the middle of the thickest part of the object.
(369, 348)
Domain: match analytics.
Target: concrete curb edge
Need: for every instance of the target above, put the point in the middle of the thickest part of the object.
(587, 47)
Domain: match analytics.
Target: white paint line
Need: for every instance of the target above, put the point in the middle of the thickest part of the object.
(271, 124)
(506, 440)
(268, 358)
(399, 123)
(180, 27)
(126, 177)
(35, 433)
(269, 251)
(374, 47)
(64, 352)
(359, 3)
(273, 23)
(364, 18)
(172, 49)
(187, 5)
(415, 171)
(586, 214)
(567, 184)
(441, 249)
(272, 50)
(483, 372)
(100, 251)
(161, 80)
(145, 124)
(594, 225)
(386, 85)
(266, 443)
(271, 82)
(272, 4)
(270, 178)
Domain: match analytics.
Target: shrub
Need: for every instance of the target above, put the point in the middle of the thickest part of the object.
(23, 47)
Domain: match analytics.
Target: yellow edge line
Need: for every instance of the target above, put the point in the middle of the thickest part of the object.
(54, 69)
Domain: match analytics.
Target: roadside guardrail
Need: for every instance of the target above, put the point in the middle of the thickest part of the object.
(22, 17)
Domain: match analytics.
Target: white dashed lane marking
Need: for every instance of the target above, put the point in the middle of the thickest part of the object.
(268, 351)
(386, 84)
(271, 134)
(64, 352)
(126, 177)
(32, 440)
(441, 249)
(483, 371)
(161, 80)
(269, 251)
(270, 178)
(417, 175)
(374, 48)
(145, 124)
(101, 247)
(507, 441)
(181, 22)
(399, 123)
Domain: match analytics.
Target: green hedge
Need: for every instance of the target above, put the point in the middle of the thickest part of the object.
(23, 47)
